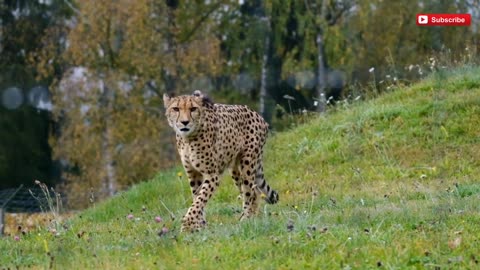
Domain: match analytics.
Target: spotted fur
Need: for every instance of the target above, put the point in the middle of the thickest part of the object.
(211, 138)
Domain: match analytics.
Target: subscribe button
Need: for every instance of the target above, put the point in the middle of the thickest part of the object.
(444, 19)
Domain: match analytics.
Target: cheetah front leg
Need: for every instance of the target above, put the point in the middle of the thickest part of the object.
(195, 180)
(194, 219)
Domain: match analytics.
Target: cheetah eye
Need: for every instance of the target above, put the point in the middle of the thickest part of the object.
(176, 109)
(192, 109)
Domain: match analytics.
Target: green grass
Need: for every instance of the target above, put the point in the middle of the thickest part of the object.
(388, 183)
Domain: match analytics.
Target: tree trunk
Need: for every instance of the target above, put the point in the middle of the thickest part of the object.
(321, 75)
(110, 183)
(171, 78)
(110, 178)
(263, 81)
(1, 35)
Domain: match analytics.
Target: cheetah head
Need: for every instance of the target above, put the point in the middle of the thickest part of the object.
(185, 113)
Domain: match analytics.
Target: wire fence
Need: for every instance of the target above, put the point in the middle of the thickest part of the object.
(20, 199)
(26, 207)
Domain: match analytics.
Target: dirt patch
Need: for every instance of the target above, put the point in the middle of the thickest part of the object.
(18, 223)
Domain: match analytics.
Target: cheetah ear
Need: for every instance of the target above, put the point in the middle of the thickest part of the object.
(166, 100)
(197, 93)
(202, 99)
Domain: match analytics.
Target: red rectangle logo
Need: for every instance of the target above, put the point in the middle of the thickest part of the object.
(444, 19)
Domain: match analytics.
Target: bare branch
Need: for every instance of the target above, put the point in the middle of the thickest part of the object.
(151, 86)
(200, 22)
(70, 5)
(337, 12)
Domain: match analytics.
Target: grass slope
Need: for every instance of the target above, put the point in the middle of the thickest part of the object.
(391, 183)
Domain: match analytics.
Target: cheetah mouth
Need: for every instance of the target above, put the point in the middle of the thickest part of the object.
(184, 129)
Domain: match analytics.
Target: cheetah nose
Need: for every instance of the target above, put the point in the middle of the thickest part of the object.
(184, 122)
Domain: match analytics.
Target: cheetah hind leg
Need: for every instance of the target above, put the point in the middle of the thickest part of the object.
(236, 176)
(250, 193)
(250, 201)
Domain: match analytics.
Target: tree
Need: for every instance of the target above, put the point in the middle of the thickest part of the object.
(383, 35)
(323, 14)
(126, 54)
(24, 151)
(249, 54)
(106, 95)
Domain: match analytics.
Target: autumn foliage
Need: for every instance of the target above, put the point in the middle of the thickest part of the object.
(109, 62)
(116, 59)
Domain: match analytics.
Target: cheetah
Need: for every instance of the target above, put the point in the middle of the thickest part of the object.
(211, 138)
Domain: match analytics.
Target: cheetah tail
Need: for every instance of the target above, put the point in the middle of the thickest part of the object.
(272, 197)
(267, 193)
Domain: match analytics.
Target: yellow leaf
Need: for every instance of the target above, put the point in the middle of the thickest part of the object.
(45, 246)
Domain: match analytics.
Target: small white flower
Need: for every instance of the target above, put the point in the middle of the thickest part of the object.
(372, 69)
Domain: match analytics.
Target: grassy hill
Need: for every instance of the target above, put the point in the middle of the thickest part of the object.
(388, 183)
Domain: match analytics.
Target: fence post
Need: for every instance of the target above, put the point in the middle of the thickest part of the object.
(2, 224)
(3, 207)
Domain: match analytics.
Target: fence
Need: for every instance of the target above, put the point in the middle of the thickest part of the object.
(24, 208)
(21, 200)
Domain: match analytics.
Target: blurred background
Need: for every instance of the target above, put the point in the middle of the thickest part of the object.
(81, 81)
